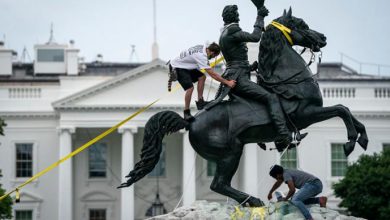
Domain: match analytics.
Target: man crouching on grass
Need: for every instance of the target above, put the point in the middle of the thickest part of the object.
(309, 186)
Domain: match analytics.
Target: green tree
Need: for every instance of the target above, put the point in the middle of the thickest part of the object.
(365, 189)
(5, 206)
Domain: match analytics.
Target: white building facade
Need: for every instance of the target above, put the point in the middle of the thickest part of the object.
(56, 105)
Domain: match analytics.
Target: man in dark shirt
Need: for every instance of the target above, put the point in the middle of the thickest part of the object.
(308, 185)
(233, 46)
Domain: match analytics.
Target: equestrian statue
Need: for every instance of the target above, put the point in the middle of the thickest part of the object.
(221, 130)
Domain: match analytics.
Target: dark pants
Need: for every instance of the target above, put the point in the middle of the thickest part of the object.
(186, 77)
(249, 89)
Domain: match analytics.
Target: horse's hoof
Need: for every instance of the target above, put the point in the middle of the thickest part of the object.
(300, 137)
(255, 202)
(349, 147)
(363, 142)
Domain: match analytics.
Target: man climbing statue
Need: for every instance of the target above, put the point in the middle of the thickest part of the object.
(187, 67)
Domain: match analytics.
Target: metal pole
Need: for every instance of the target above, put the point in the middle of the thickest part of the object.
(154, 22)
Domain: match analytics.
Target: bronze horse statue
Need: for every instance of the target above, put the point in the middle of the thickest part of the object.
(220, 133)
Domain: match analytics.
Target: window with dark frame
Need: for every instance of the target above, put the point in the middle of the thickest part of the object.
(23, 215)
(339, 161)
(289, 159)
(24, 160)
(97, 160)
(97, 214)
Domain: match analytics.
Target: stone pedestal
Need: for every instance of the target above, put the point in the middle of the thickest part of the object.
(203, 210)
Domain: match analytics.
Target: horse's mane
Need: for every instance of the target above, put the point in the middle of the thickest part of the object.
(271, 45)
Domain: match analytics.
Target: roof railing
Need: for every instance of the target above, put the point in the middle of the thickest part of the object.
(365, 68)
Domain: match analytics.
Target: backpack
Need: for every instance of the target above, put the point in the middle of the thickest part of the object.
(172, 75)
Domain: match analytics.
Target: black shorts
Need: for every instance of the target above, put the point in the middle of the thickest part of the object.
(186, 77)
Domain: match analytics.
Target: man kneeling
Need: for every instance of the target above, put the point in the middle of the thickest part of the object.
(309, 186)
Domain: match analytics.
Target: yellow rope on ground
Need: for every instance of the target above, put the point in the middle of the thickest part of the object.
(237, 214)
(258, 212)
(255, 213)
(89, 143)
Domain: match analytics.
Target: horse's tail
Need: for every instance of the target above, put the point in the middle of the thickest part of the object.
(156, 128)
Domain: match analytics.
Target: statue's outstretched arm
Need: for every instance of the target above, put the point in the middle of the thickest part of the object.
(255, 36)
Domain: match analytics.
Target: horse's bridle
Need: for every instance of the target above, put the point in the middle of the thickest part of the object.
(286, 32)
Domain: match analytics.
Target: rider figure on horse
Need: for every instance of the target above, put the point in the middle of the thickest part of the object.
(233, 46)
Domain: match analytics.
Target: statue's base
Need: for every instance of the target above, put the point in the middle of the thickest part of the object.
(203, 210)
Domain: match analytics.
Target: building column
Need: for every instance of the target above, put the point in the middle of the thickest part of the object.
(65, 198)
(250, 170)
(127, 194)
(189, 184)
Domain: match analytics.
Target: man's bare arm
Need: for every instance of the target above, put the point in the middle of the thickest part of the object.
(214, 75)
(274, 187)
(291, 190)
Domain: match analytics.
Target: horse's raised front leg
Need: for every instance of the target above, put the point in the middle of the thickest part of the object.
(361, 129)
(314, 114)
(226, 168)
(363, 137)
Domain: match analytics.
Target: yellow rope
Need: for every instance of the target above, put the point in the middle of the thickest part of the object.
(78, 150)
(89, 143)
(255, 213)
(258, 212)
(237, 214)
(213, 64)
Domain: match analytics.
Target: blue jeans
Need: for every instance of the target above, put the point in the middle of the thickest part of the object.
(306, 195)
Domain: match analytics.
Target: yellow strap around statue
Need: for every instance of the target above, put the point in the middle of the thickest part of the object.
(89, 143)
(213, 64)
(285, 30)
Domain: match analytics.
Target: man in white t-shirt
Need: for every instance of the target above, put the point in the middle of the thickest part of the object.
(187, 67)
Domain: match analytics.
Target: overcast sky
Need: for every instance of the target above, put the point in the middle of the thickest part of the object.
(358, 28)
